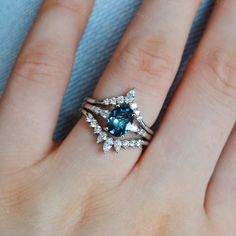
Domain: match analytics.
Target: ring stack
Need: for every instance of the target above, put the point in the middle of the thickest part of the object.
(117, 122)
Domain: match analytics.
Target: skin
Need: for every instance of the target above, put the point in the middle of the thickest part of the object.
(184, 182)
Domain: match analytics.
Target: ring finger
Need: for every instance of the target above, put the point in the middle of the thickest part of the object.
(147, 59)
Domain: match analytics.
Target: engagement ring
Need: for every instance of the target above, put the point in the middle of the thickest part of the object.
(117, 122)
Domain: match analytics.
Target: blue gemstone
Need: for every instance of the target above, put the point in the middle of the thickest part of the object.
(118, 120)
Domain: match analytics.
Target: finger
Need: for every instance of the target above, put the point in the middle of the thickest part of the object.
(147, 60)
(202, 114)
(221, 193)
(30, 105)
(149, 54)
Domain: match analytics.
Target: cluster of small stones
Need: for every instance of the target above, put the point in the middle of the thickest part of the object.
(118, 144)
(93, 123)
(128, 99)
(137, 113)
(108, 142)
(99, 111)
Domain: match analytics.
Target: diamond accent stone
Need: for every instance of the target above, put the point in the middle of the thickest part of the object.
(101, 137)
(134, 106)
(140, 118)
(97, 110)
(141, 142)
(125, 144)
(93, 123)
(132, 143)
(104, 113)
(106, 101)
(130, 97)
(97, 129)
(108, 145)
(138, 143)
(120, 100)
(128, 100)
(132, 127)
(113, 101)
(142, 132)
(89, 118)
(131, 93)
(137, 112)
(117, 145)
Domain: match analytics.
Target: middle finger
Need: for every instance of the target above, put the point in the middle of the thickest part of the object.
(202, 114)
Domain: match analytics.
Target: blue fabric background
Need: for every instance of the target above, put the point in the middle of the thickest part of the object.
(107, 24)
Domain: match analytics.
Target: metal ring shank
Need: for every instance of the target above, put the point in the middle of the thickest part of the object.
(95, 101)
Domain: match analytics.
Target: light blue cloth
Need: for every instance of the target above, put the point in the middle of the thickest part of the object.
(107, 24)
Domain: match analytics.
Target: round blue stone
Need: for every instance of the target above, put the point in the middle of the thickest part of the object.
(118, 120)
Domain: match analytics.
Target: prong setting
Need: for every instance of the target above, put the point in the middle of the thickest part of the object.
(121, 105)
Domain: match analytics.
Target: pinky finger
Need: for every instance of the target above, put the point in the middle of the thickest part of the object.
(221, 193)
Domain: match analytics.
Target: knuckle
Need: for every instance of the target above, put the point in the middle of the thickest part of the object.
(72, 6)
(219, 70)
(147, 56)
(147, 64)
(39, 65)
(17, 190)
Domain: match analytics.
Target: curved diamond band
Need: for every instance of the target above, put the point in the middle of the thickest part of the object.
(118, 122)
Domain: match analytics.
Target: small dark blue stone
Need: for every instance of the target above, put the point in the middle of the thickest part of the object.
(118, 120)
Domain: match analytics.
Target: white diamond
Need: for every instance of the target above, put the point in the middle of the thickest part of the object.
(89, 117)
(108, 145)
(120, 100)
(96, 110)
(101, 137)
(113, 101)
(117, 145)
(130, 96)
(132, 143)
(131, 127)
(134, 106)
(138, 143)
(128, 100)
(97, 129)
(142, 132)
(137, 112)
(106, 101)
(104, 114)
(93, 123)
(125, 144)
(131, 93)
(139, 118)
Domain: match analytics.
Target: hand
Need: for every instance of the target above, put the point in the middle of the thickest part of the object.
(184, 182)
